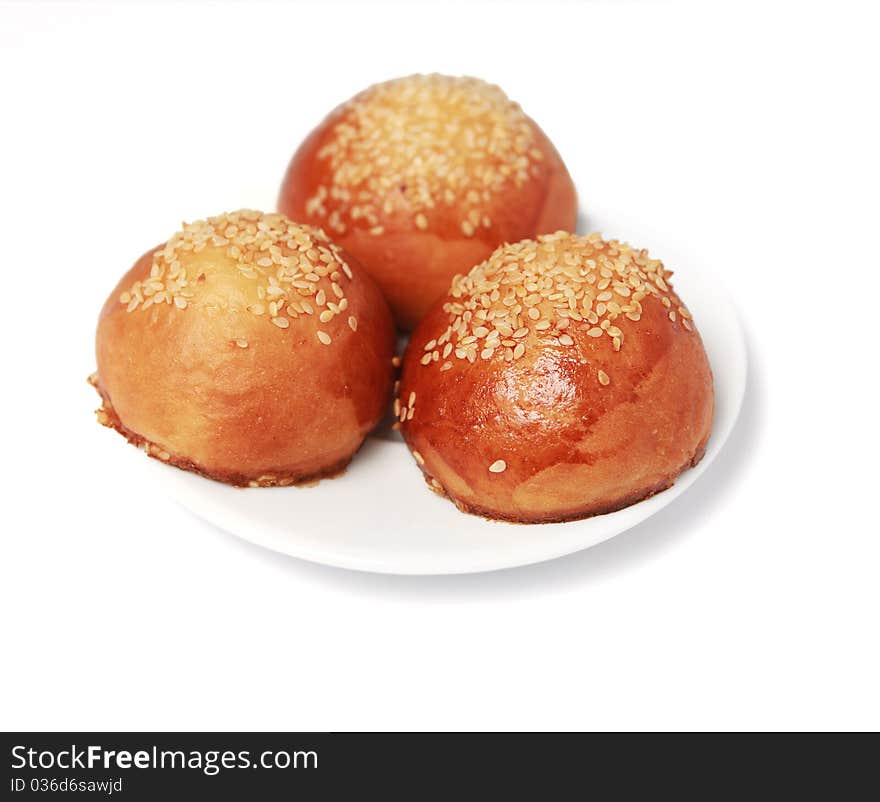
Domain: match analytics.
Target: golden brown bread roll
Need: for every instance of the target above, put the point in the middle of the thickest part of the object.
(247, 348)
(422, 177)
(561, 378)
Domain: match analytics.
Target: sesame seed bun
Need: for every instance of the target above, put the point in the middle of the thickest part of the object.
(561, 378)
(422, 177)
(247, 348)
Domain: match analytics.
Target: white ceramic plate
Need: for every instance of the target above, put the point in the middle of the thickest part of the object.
(380, 516)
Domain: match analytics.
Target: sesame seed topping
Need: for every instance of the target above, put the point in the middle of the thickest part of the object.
(499, 466)
(557, 283)
(603, 378)
(491, 148)
(288, 263)
(241, 343)
(324, 337)
(419, 458)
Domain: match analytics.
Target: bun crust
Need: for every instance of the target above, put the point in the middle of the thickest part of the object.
(578, 408)
(423, 177)
(197, 362)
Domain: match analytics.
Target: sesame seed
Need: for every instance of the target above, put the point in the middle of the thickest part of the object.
(368, 161)
(552, 283)
(352, 323)
(499, 466)
(241, 343)
(286, 262)
(603, 378)
(419, 458)
(323, 337)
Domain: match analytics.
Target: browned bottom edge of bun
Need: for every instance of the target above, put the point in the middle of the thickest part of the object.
(107, 416)
(614, 506)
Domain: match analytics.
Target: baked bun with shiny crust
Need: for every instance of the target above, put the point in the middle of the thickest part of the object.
(247, 348)
(422, 177)
(561, 378)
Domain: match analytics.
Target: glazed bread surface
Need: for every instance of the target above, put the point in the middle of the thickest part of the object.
(562, 378)
(247, 348)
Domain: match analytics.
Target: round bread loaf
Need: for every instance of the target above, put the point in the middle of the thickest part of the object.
(423, 177)
(561, 378)
(247, 348)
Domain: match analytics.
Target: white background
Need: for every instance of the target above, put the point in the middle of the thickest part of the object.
(742, 135)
